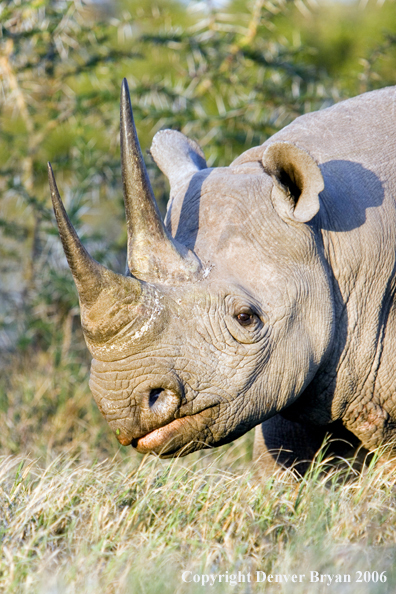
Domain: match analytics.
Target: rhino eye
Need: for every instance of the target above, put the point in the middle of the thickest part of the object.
(245, 319)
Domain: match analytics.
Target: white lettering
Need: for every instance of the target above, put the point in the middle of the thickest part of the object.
(260, 576)
(314, 576)
(210, 579)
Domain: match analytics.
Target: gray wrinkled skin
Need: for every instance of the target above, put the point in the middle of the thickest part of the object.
(266, 301)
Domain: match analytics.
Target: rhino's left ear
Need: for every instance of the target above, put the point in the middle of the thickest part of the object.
(177, 156)
(297, 181)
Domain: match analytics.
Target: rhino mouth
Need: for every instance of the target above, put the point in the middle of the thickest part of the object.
(160, 440)
(170, 440)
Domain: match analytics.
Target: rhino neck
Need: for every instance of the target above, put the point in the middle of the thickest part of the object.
(356, 235)
(357, 225)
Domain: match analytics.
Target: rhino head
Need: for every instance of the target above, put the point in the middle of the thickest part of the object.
(212, 332)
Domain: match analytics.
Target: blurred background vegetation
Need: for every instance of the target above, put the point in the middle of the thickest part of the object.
(228, 74)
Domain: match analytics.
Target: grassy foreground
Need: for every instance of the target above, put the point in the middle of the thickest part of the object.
(79, 515)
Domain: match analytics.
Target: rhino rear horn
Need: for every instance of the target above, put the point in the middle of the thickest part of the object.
(297, 181)
(153, 255)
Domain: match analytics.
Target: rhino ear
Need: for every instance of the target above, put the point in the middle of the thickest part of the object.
(297, 181)
(176, 155)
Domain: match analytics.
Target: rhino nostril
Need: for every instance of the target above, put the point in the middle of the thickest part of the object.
(154, 395)
(161, 402)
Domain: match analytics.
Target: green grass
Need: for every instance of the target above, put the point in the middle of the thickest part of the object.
(81, 515)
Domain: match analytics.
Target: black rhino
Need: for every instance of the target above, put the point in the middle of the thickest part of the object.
(267, 299)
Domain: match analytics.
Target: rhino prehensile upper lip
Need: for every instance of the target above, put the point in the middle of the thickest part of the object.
(135, 441)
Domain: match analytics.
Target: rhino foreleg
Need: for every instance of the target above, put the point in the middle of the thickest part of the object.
(281, 443)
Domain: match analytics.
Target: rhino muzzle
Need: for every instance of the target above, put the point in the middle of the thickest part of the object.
(153, 404)
(152, 415)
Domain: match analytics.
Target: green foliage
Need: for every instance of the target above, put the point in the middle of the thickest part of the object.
(353, 42)
(50, 110)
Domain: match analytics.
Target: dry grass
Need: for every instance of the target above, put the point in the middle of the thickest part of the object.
(73, 521)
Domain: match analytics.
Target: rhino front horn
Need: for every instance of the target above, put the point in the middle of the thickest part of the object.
(91, 278)
(153, 255)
